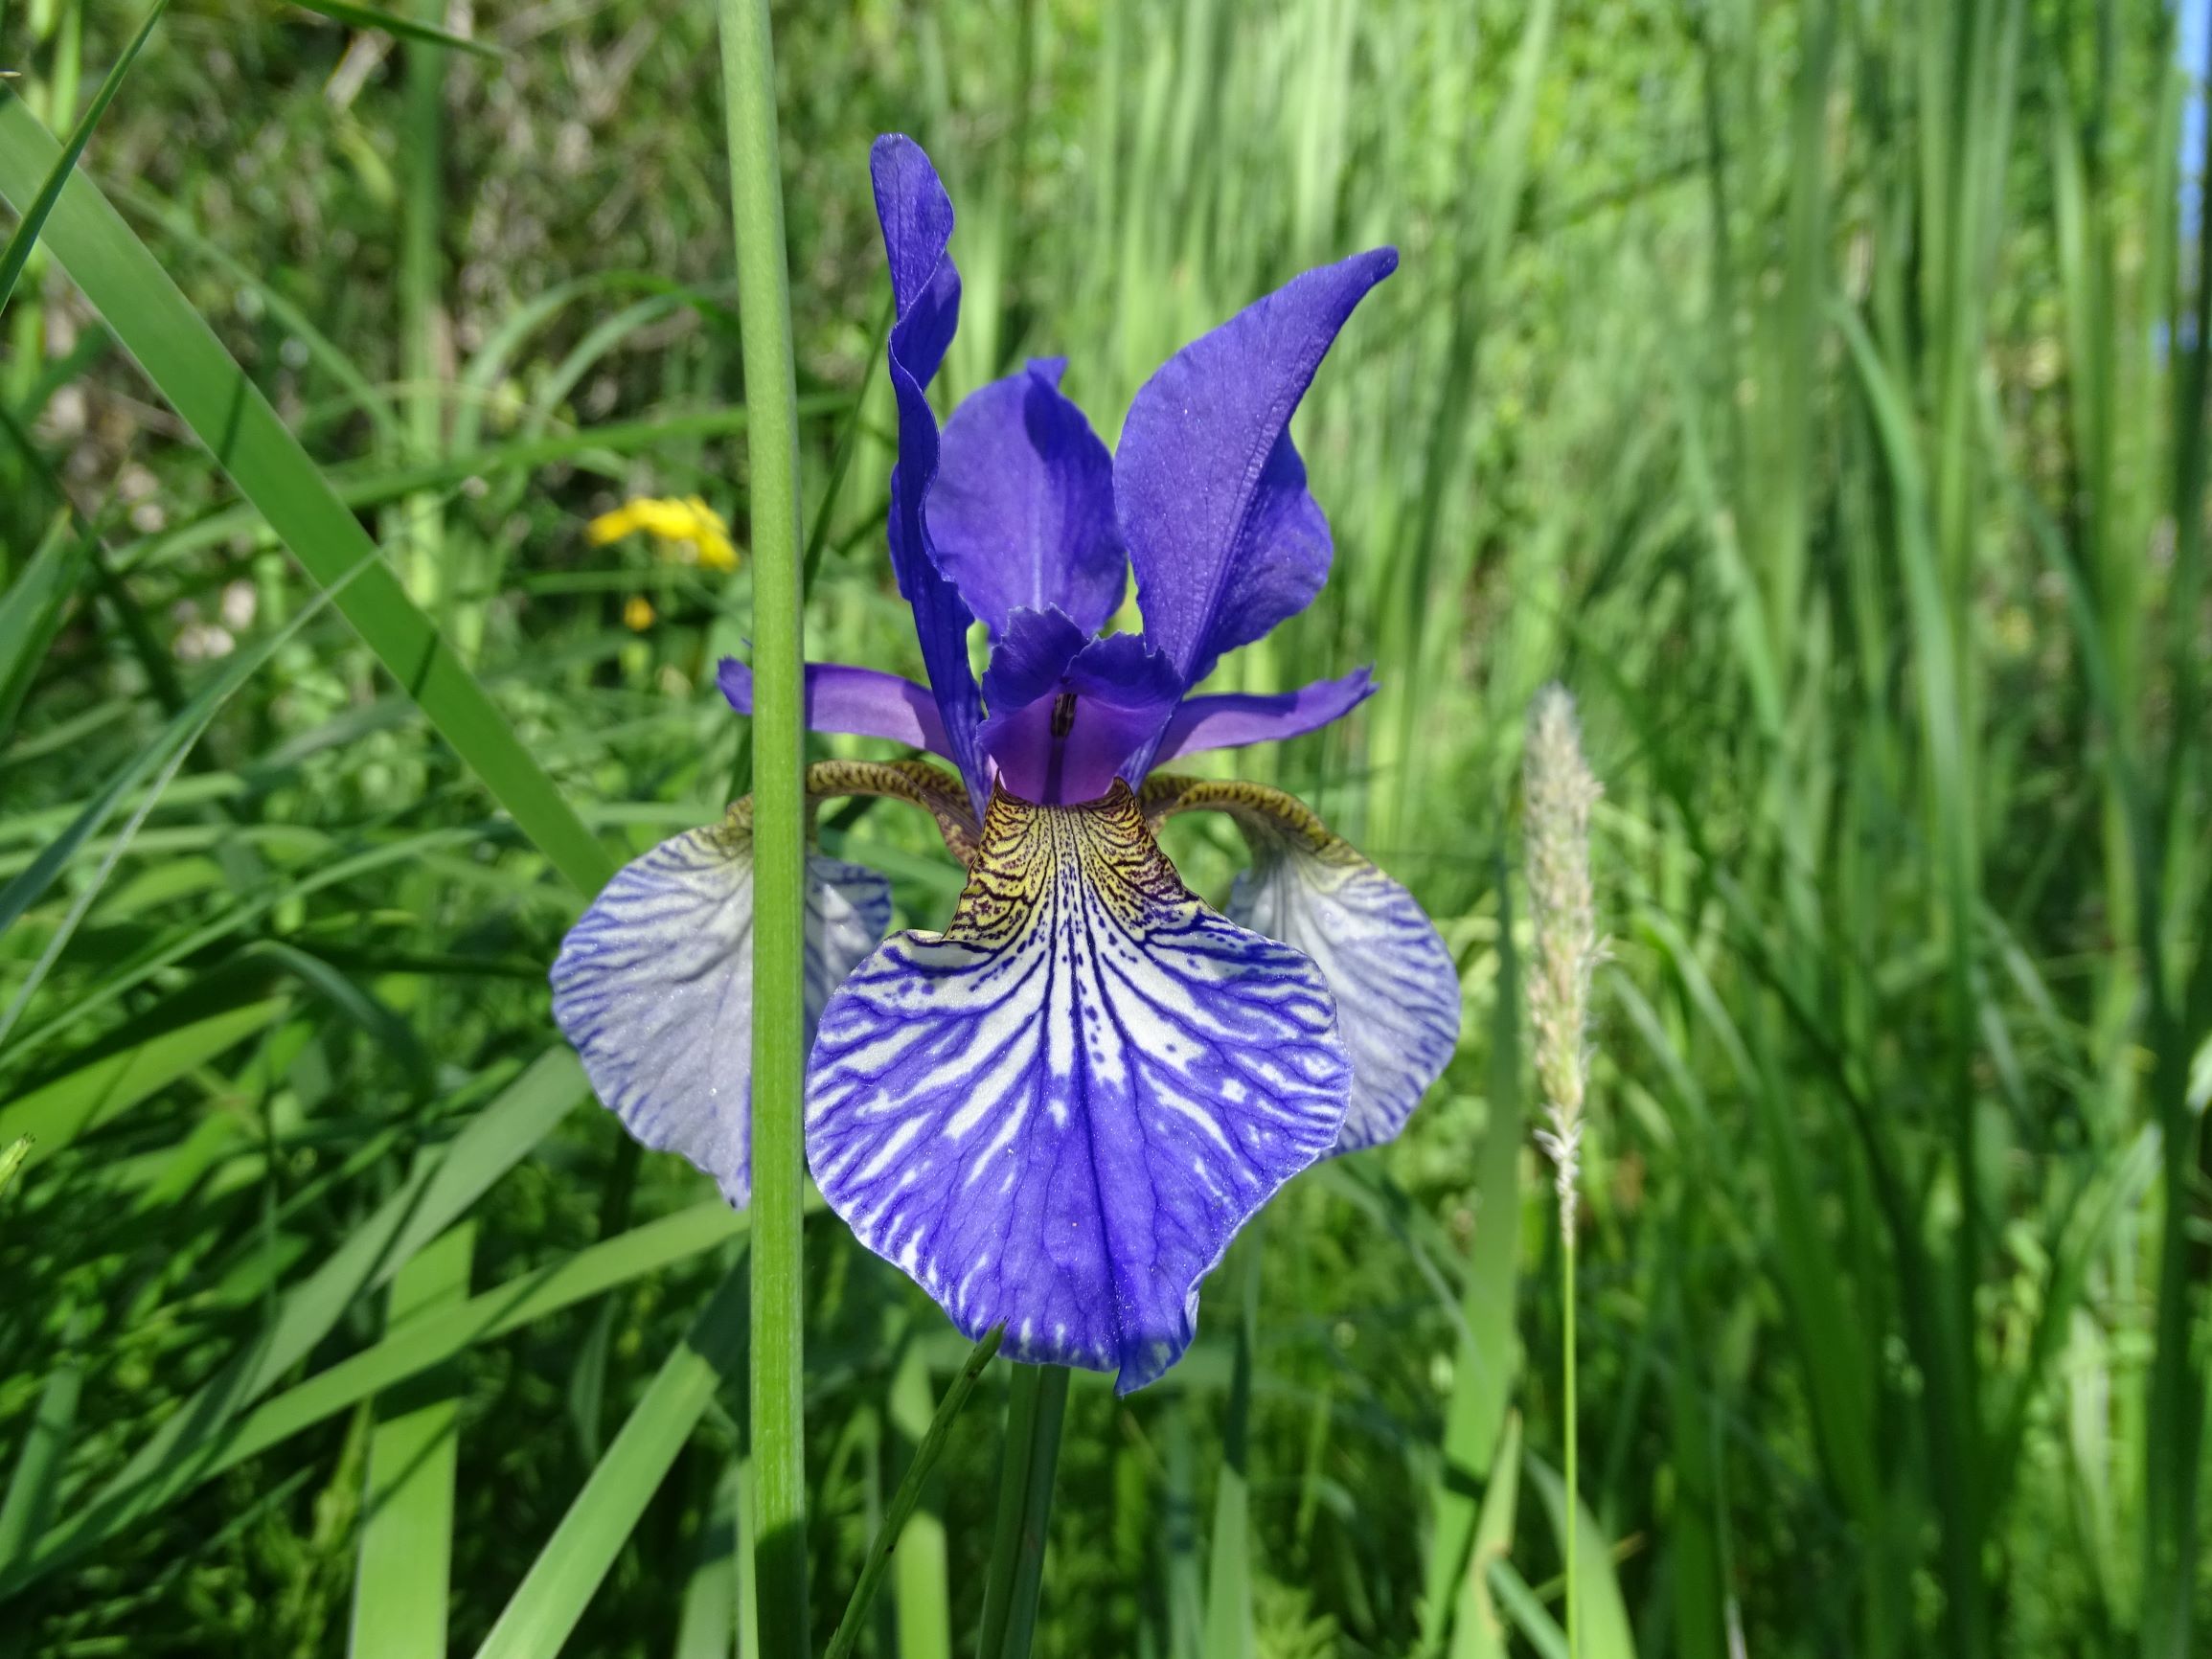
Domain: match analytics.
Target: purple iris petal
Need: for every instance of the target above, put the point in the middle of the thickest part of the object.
(1069, 711)
(1022, 511)
(1232, 719)
(858, 702)
(917, 218)
(1056, 1114)
(1211, 494)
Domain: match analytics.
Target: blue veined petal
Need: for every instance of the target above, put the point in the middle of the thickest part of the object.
(1057, 1113)
(655, 988)
(1396, 986)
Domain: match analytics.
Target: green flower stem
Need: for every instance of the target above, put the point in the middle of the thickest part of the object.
(779, 847)
(1036, 1407)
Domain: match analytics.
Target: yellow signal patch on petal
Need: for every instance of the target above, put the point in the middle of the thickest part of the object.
(688, 530)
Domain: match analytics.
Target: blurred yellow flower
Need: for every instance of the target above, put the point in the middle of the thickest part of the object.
(688, 530)
(637, 613)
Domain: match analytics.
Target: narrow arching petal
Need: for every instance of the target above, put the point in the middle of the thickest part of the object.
(1068, 711)
(653, 987)
(1210, 493)
(1231, 720)
(1022, 511)
(917, 220)
(1396, 986)
(854, 702)
(1057, 1113)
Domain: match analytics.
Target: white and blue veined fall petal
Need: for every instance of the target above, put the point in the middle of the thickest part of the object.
(653, 987)
(1395, 987)
(1056, 1114)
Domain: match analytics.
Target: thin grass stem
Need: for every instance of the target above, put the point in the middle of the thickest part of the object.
(779, 847)
(1567, 1390)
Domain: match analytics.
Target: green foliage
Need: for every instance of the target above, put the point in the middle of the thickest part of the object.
(1817, 390)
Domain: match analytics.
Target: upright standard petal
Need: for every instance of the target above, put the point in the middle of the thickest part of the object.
(653, 987)
(917, 220)
(1057, 1113)
(1022, 511)
(1231, 720)
(1210, 492)
(854, 702)
(1396, 986)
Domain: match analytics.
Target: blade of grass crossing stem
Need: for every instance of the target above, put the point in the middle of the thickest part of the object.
(921, 1586)
(1482, 1373)
(1600, 1617)
(406, 1559)
(778, 850)
(708, 1624)
(1036, 1409)
(1477, 1627)
(568, 1571)
(434, 1195)
(911, 1484)
(1229, 1633)
(1526, 1609)
(227, 413)
(17, 251)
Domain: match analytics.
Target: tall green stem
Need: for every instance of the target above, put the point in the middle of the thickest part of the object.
(1574, 1520)
(1036, 1407)
(778, 850)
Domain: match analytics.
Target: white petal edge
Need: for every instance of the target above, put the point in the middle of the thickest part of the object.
(653, 987)
(1396, 986)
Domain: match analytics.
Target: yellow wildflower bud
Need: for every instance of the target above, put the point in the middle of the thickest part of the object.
(637, 613)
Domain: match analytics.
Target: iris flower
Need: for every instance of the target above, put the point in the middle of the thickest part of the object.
(1056, 1113)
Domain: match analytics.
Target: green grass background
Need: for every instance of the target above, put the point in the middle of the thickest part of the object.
(1817, 389)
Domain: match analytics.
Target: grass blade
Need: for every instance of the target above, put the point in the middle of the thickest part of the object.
(1229, 1632)
(707, 1628)
(1482, 1370)
(401, 1587)
(854, 1622)
(1477, 1630)
(406, 28)
(37, 1477)
(17, 253)
(1600, 1618)
(543, 1611)
(921, 1588)
(30, 612)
